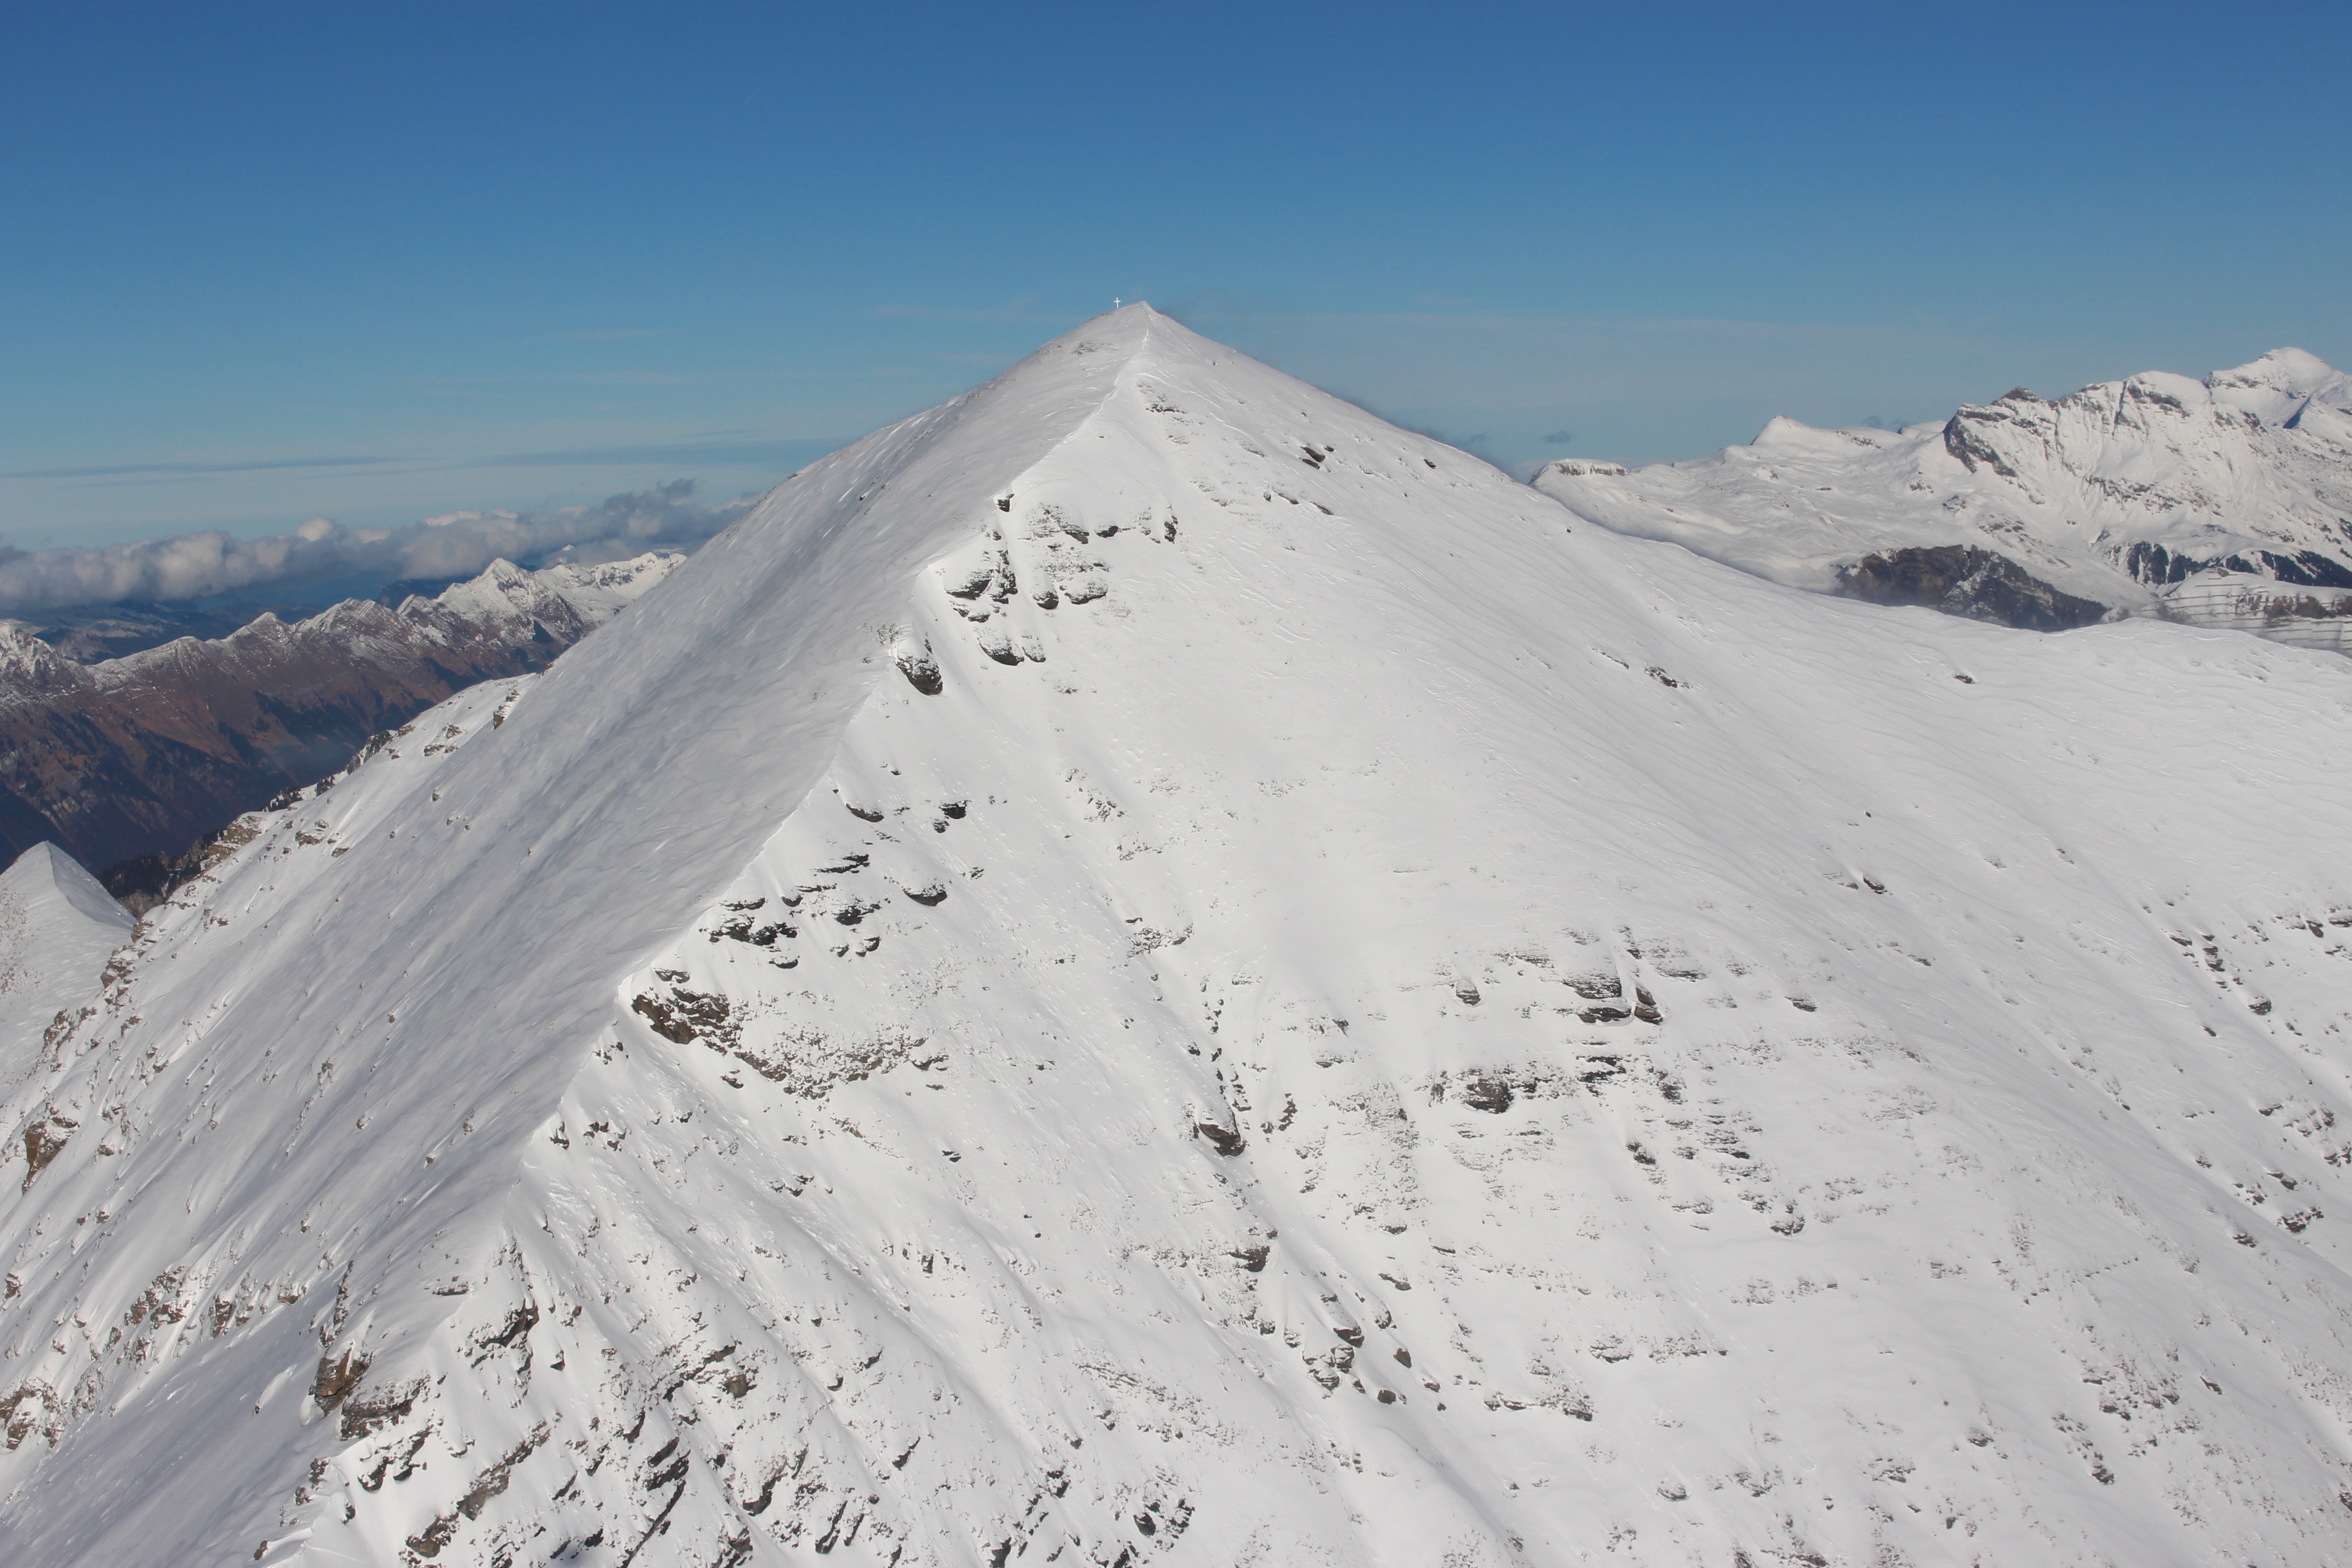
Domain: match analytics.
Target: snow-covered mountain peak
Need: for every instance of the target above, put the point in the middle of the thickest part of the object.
(2224, 502)
(1146, 967)
(2288, 370)
(57, 927)
(572, 596)
(2288, 387)
(28, 664)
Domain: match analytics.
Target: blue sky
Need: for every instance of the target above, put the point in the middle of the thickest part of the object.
(263, 262)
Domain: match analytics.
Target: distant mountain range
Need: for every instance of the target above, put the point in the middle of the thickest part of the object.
(2222, 502)
(93, 633)
(90, 634)
(141, 754)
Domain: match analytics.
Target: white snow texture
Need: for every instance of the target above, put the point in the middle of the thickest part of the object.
(57, 928)
(2222, 502)
(1146, 968)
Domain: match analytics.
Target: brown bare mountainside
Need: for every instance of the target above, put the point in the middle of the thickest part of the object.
(148, 752)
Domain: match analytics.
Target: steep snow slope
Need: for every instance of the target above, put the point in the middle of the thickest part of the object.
(57, 928)
(1147, 968)
(2223, 502)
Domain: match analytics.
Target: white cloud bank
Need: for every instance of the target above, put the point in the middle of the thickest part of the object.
(456, 544)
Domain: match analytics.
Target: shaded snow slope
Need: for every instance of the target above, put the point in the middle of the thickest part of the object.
(1148, 968)
(57, 927)
(2223, 502)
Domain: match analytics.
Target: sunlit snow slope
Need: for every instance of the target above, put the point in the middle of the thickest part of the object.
(2223, 502)
(1146, 968)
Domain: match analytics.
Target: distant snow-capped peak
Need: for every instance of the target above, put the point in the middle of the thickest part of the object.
(2223, 501)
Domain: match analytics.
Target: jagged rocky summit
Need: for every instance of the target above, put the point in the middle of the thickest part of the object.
(2225, 502)
(1147, 968)
(143, 753)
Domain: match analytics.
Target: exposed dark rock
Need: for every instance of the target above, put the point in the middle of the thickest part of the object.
(666, 1023)
(1223, 1140)
(1492, 1095)
(2155, 565)
(44, 1141)
(922, 672)
(337, 1377)
(371, 1411)
(1961, 580)
(1964, 439)
(2307, 568)
(141, 883)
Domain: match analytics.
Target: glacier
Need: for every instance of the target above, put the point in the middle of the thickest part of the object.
(1146, 967)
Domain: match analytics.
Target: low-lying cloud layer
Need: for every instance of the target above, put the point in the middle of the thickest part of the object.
(459, 544)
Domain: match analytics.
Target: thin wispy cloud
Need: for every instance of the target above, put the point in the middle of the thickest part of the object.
(643, 376)
(455, 544)
(254, 466)
(1016, 312)
(611, 335)
(713, 449)
(584, 378)
(746, 448)
(1538, 324)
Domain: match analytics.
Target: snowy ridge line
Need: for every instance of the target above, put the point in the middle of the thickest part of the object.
(1146, 967)
(522, 865)
(2222, 502)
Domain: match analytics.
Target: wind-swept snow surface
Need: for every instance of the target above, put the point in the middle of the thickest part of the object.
(2222, 502)
(1146, 968)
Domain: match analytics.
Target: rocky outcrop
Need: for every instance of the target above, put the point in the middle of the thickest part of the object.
(1960, 581)
(139, 755)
